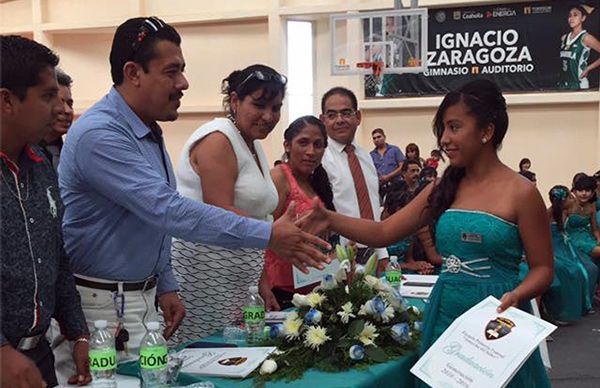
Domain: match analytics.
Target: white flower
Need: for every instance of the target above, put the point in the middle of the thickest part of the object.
(268, 366)
(328, 282)
(364, 309)
(368, 334)
(291, 326)
(341, 273)
(299, 300)
(316, 336)
(315, 299)
(371, 281)
(346, 312)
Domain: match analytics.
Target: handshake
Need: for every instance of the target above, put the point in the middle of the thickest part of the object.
(294, 237)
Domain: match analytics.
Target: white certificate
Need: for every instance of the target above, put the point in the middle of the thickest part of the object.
(482, 348)
(314, 275)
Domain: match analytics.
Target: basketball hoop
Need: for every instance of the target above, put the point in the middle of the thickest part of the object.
(377, 67)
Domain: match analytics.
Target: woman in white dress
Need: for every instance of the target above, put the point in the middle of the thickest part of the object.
(223, 164)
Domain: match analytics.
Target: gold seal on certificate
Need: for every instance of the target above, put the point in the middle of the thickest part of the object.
(482, 348)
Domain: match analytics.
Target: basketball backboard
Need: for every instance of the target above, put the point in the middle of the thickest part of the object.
(379, 42)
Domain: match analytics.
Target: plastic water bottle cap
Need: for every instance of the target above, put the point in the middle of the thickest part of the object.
(253, 289)
(394, 259)
(100, 324)
(153, 325)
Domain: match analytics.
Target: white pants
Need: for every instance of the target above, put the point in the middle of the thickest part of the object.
(99, 304)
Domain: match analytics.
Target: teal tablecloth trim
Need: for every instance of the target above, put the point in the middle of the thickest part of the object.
(396, 371)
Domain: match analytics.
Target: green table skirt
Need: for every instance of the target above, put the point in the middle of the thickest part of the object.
(394, 373)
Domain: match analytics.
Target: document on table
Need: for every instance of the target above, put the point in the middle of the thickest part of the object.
(482, 348)
(224, 362)
(417, 286)
(314, 275)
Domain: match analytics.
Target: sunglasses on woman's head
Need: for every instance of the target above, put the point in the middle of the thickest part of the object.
(265, 77)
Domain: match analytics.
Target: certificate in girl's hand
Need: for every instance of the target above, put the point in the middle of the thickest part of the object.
(482, 348)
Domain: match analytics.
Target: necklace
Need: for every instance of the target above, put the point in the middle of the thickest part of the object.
(18, 193)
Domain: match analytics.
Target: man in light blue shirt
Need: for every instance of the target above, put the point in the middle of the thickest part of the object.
(122, 207)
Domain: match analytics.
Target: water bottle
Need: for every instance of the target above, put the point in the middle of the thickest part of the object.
(254, 316)
(154, 358)
(103, 357)
(393, 272)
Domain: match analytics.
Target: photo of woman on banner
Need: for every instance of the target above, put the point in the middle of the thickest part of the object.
(575, 50)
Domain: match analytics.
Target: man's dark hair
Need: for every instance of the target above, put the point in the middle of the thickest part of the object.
(21, 61)
(63, 78)
(378, 130)
(341, 91)
(135, 40)
(407, 163)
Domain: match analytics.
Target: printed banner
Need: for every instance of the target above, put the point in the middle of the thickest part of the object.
(524, 47)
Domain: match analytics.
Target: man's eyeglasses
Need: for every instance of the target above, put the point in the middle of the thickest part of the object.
(149, 26)
(345, 114)
(265, 77)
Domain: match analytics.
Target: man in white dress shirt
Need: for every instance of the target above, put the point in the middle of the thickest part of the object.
(350, 168)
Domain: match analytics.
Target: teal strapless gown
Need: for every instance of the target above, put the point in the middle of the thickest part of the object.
(468, 236)
(579, 228)
(572, 299)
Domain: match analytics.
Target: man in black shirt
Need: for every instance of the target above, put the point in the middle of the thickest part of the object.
(36, 279)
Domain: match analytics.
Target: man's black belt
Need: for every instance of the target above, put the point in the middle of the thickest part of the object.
(127, 286)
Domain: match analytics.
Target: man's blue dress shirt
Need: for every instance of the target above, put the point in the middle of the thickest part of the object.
(391, 159)
(121, 204)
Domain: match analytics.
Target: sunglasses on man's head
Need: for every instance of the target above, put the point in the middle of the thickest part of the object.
(149, 26)
(264, 77)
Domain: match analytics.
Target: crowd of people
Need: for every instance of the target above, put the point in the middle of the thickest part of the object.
(103, 226)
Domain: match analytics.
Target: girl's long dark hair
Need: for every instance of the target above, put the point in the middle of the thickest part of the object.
(557, 196)
(319, 180)
(485, 102)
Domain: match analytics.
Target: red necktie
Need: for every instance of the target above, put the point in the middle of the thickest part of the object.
(362, 193)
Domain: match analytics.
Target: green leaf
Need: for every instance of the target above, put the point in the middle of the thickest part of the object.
(350, 253)
(376, 353)
(371, 265)
(340, 253)
(355, 328)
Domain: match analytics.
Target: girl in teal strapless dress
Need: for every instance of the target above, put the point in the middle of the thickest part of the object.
(576, 272)
(483, 216)
(581, 222)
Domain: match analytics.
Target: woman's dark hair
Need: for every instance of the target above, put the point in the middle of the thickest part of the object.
(597, 175)
(247, 81)
(319, 180)
(437, 153)
(413, 147)
(580, 7)
(428, 172)
(522, 162)
(484, 101)
(586, 183)
(576, 177)
(557, 196)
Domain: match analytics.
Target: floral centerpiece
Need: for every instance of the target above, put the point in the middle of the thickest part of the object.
(351, 320)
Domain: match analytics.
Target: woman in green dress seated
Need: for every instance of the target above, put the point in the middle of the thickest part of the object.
(482, 214)
(581, 222)
(576, 272)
